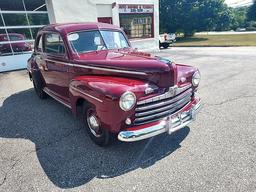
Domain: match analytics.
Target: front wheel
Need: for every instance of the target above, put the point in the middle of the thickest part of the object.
(97, 133)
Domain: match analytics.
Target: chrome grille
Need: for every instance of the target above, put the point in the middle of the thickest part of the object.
(161, 106)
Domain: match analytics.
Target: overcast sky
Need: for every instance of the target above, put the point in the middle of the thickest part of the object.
(235, 3)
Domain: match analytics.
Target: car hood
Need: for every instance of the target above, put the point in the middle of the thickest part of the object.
(153, 69)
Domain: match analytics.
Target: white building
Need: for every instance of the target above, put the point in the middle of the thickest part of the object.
(21, 19)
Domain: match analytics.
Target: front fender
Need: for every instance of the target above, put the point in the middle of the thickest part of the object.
(103, 93)
(185, 73)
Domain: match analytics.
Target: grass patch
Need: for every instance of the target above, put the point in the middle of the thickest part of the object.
(216, 40)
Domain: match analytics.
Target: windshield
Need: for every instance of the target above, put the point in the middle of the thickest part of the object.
(86, 41)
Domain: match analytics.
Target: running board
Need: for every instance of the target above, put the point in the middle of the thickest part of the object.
(53, 95)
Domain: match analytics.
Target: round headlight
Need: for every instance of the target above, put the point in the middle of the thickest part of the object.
(196, 78)
(127, 101)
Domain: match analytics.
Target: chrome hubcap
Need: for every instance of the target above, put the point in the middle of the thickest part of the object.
(94, 125)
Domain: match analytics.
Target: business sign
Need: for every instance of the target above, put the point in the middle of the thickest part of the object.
(136, 8)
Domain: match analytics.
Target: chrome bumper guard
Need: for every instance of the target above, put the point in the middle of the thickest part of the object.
(168, 124)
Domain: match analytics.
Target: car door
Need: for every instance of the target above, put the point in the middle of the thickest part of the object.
(38, 58)
(57, 67)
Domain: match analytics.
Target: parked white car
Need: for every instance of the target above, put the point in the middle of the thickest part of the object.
(166, 39)
(240, 29)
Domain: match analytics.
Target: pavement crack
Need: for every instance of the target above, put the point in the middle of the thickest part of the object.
(230, 100)
(5, 177)
(12, 167)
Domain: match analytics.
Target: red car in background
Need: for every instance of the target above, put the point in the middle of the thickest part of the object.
(14, 44)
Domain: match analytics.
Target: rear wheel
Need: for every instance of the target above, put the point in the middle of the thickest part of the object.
(38, 86)
(97, 133)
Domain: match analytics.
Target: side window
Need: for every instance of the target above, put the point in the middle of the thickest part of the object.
(39, 44)
(53, 44)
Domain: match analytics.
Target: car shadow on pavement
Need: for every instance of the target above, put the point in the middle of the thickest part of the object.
(67, 155)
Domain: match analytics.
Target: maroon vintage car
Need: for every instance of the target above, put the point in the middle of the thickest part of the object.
(13, 42)
(122, 93)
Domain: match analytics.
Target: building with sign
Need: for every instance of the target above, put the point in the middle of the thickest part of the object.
(21, 19)
(138, 18)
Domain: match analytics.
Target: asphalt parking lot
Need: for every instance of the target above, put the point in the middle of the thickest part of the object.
(44, 148)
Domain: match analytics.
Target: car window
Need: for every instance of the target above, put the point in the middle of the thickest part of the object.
(12, 38)
(86, 41)
(114, 39)
(82, 42)
(39, 46)
(15, 38)
(54, 44)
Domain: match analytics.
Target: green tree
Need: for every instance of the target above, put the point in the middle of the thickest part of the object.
(239, 17)
(251, 15)
(190, 16)
(176, 15)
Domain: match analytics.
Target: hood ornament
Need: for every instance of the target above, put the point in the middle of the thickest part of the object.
(172, 91)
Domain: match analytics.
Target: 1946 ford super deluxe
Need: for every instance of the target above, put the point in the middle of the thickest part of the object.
(121, 92)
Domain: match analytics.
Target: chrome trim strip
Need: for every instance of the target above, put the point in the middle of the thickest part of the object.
(86, 94)
(138, 120)
(177, 90)
(110, 70)
(59, 62)
(159, 118)
(181, 89)
(97, 68)
(188, 92)
(184, 100)
(163, 126)
(51, 93)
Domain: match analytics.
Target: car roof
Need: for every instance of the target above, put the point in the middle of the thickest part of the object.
(71, 27)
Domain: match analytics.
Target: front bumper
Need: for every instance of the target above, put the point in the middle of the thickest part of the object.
(169, 124)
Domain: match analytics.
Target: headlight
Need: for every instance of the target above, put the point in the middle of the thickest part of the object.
(196, 78)
(127, 101)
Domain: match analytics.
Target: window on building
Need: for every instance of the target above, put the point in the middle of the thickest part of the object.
(19, 22)
(137, 20)
(137, 26)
